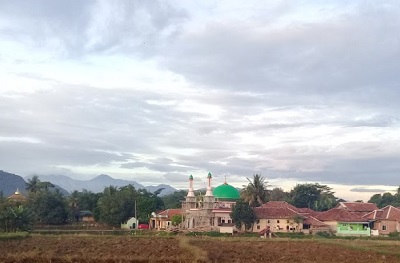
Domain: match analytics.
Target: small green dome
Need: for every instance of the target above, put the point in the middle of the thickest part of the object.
(226, 191)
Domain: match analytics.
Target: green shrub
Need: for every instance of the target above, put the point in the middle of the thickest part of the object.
(324, 234)
(394, 234)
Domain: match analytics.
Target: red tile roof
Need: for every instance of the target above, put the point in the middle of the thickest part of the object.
(387, 213)
(340, 215)
(279, 204)
(170, 213)
(357, 206)
(314, 222)
(272, 212)
(283, 204)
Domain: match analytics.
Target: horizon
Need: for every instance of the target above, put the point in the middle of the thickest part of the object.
(201, 185)
(298, 92)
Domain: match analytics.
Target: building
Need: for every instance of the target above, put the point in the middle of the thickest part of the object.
(131, 223)
(281, 219)
(163, 220)
(385, 220)
(211, 211)
(347, 218)
(17, 198)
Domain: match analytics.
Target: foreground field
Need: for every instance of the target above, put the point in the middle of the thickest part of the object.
(112, 249)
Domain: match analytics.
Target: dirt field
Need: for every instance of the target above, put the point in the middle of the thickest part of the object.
(112, 249)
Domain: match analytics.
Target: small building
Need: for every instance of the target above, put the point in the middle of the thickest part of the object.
(162, 220)
(85, 216)
(131, 223)
(17, 198)
(277, 219)
(385, 220)
(354, 228)
(311, 225)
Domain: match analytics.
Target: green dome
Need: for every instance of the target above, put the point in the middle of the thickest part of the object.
(226, 191)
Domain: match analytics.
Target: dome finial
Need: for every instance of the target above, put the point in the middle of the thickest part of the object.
(225, 180)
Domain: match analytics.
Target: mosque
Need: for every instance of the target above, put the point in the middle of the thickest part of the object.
(212, 210)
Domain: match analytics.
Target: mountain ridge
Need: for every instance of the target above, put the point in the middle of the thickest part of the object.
(98, 183)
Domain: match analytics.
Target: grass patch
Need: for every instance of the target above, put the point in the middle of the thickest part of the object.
(199, 255)
(13, 236)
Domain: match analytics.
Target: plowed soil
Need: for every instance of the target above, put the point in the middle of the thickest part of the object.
(114, 249)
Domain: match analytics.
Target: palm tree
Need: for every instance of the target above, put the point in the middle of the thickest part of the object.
(33, 185)
(255, 193)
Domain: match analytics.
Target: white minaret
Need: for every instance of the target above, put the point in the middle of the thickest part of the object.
(191, 190)
(190, 201)
(209, 189)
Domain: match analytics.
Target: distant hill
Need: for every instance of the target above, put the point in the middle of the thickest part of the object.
(9, 183)
(167, 189)
(98, 183)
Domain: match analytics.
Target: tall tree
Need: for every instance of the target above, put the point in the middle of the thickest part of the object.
(278, 194)
(49, 207)
(174, 200)
(243, 215)
(315, 196)
(255, 193)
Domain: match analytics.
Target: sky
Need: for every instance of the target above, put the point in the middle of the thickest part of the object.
(153, 91)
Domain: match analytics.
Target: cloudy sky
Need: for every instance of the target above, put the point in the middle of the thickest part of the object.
(299, 91)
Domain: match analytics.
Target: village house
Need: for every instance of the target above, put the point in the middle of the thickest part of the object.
(385, 220)
(347, 218)
(131, 223)
(278, 216)
(163, 219)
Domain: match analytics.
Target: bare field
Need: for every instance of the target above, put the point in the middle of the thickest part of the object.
(70, 248)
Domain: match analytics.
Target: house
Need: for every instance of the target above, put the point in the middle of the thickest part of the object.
(85, 216)
(131, 223)
(312, 225)
(385, 220)
(162, 220)
(357, 208)
(344, 222)
(278, 217)
(344, 213)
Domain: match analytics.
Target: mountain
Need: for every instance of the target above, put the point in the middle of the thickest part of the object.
(9, 183)
(166, 191)
(98, 183)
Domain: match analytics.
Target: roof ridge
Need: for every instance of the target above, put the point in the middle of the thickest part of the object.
(387, 215)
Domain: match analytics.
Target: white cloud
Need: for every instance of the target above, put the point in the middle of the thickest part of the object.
(159, 90)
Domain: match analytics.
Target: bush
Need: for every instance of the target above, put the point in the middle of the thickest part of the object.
(394, 234)
(324, 234)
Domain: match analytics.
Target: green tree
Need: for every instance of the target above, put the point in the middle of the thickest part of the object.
(49, 207)
(177, 219)
(174, 200)
(315, 196)
(117, 205)
(243, 214)
(34, 185)
(255, 193)
(376, 199)
(278, 194)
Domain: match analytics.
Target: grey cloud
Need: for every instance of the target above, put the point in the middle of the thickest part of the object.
(331, 62)
(75, 28)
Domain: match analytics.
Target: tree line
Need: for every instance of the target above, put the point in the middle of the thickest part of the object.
(46, 205)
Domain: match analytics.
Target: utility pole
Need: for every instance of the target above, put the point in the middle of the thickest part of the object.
(137, 222)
